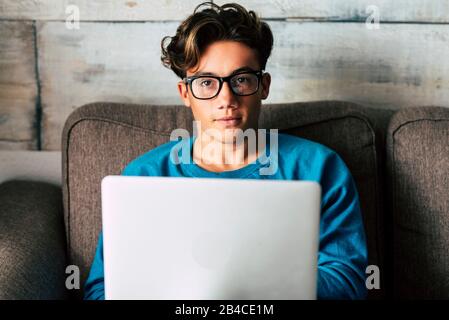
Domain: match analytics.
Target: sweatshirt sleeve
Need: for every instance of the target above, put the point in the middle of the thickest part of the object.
(94, 285)
(342, 257)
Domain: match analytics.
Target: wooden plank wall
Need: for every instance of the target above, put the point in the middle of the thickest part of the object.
(323, 50)
(18, 86)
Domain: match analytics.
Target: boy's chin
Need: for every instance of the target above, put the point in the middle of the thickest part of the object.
(230, 135)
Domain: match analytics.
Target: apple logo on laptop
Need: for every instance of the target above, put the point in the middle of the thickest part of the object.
(211, 250)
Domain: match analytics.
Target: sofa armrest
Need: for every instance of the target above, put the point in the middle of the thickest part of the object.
(32, 241)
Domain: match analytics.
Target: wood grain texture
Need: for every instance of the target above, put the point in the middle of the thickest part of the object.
(435, 11)
(18, 86)
(398, 65)
(100, 62)
(6, 145)
(97, 10)
(414, 11)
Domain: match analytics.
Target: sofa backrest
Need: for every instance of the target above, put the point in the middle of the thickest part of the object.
(99, 139)
(418, 171)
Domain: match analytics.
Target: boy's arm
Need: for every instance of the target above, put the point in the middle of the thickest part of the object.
(94, 286)
(342, 258)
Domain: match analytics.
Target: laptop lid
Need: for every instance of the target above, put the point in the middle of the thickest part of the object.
(209, 238)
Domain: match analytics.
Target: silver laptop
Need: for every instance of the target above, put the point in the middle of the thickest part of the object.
(210, 238)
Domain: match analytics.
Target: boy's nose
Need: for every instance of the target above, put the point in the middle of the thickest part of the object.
(226, 96)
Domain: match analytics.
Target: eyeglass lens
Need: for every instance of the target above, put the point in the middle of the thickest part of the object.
(241, 84)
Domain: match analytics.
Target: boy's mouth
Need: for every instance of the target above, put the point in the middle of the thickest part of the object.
(229, 121)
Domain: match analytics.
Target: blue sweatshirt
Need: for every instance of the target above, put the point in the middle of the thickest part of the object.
(342, 256)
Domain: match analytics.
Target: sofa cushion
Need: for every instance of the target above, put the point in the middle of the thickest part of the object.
(32, 241)
(99, 139)
(418, 166)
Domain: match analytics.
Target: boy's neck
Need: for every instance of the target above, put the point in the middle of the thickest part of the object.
(217, 156)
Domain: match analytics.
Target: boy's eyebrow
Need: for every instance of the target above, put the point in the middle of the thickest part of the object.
(202, 73)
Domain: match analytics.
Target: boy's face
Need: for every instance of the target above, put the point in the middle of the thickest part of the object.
(221, 59)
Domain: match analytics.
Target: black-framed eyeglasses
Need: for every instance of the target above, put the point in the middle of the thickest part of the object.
(244, 83)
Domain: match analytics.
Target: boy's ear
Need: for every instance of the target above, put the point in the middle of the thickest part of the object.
(183, 93)
(266, 81)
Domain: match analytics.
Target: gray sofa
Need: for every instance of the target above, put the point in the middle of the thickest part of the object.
(399, 160)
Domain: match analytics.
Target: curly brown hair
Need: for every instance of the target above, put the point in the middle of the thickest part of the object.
(230, 21)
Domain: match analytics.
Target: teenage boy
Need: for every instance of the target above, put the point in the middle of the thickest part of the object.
(220, 55)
